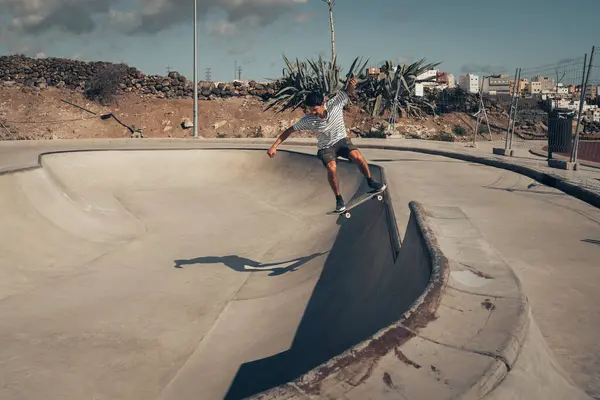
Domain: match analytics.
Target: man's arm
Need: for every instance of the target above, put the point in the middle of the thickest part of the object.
(300, 125)
(271, 152)
(342, 98)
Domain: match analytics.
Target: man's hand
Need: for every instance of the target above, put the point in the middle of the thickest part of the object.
(351, 85)
(271, 152)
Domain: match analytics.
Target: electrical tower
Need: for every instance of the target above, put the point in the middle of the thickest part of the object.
(207, 75)
(239, 71)
(481, 115)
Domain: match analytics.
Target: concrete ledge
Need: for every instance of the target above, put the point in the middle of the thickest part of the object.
(351, 373)
(503, 152)
(559, 183)
(478, 320)
(49, 146)
(541, 153)
(562, 164)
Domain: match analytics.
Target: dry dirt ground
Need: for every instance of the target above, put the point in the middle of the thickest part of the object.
(31, 113)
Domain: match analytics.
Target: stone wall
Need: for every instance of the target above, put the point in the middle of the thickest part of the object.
(75, 75)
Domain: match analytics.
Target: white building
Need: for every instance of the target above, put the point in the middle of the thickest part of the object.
(547, 84)
(451, 81)
(419, 90)
(469, 83)
(496, 84)
(431, 75)
(573, 105)
(535, 87)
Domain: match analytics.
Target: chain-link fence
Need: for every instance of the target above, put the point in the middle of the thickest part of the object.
(555, 111)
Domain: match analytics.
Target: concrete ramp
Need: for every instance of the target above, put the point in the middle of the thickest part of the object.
(189, 274)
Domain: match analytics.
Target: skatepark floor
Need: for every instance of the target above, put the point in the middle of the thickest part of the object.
(123, 275)
(167, 274)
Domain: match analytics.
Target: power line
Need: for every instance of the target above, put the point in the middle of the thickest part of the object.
(571, 62)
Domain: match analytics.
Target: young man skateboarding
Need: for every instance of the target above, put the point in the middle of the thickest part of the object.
(326, 119)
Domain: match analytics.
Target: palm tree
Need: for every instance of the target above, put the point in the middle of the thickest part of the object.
(394, 90)
(330, 4)
(302, 77)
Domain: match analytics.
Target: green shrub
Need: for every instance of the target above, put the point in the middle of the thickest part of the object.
(105, 83)
(459, 130)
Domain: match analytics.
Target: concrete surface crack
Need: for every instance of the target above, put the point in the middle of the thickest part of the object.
(476, 294)
(482, 327)
(461, 348)
(199, 343)
(122, 203)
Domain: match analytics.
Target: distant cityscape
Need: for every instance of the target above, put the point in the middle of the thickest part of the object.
(560, 96)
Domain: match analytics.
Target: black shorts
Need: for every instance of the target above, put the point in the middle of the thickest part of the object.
(341, 148)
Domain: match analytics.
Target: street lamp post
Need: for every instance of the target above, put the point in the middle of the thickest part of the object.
(195, 68)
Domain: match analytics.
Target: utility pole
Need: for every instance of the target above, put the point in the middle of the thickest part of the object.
(234, 69)
(207, 75)
(512, 116)
(584, 83)
(330, 5)
(195, 68)
(239, 70)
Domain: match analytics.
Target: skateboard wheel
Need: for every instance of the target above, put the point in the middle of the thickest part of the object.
(347, 215)
(379, 197)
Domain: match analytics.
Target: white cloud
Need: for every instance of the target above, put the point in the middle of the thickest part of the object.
(38, 16)
(149, 16)
(302, 17)
(222, 28)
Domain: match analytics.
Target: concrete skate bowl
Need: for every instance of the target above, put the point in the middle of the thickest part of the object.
(190, 274)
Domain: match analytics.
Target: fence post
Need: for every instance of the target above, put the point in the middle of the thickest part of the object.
(514, 119)
(510, 114)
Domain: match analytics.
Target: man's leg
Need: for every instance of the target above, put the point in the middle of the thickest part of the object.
(351, 152)
(328, 157)
(332, 177)
(331, 166)
(357, 157)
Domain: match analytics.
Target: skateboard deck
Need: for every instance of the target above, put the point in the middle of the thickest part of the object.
(358, 201)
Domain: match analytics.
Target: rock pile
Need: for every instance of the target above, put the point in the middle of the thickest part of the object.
(592, 127)
(76, 75)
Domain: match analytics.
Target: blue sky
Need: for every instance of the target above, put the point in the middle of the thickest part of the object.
(153, 35)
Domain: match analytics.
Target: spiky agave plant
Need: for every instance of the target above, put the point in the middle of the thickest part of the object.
(300, 78)
(394, 90)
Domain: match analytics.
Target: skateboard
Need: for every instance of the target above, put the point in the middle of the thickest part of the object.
(358, 201)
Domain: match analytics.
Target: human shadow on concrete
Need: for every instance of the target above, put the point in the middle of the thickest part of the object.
(242, 264)
(529, 189)
(415, 160)
(592, 241)
(362, 288)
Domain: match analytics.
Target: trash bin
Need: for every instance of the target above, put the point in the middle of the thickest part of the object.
(560, 131)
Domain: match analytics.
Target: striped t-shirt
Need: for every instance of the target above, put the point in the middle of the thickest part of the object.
(332, 128)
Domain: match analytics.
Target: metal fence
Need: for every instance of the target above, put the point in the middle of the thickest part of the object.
(553, 108)
(565, 123)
